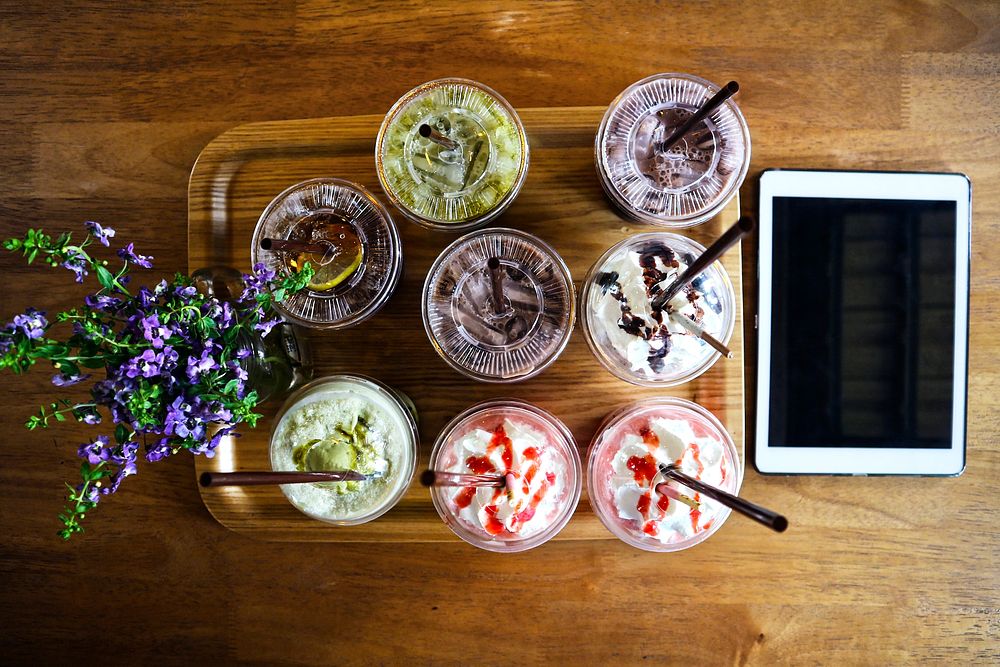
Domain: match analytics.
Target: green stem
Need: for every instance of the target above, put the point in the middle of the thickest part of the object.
(81, 497)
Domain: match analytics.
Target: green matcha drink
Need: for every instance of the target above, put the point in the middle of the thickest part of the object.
(346, 422)
(451, 154)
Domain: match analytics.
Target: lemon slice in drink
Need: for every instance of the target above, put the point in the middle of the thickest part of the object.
(342, 258)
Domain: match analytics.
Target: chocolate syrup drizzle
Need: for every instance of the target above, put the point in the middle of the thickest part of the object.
(656, 332)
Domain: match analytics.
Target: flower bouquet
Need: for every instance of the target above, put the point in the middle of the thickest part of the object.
(171, 357)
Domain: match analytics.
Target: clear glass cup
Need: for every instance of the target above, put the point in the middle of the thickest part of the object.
(622, 473)
(637, 343)
(687, 184)
(278, 362)
(467, 165)
(346, 422)
(508, 436)
(520, 337)
(362, 262)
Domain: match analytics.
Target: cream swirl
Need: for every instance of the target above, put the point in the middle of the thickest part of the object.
(536, 480)
(644, 354)
(667, 518)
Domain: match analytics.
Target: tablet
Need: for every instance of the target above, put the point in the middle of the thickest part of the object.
(863, 323)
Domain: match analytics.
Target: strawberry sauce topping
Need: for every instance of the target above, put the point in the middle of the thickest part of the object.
(643, 468)
(649, 438)
(500, 439)
(493, 525)
(481, 465)
(695, 514)
(464, 497)
(517, 480)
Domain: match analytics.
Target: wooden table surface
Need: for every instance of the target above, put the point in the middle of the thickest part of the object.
(105, 107)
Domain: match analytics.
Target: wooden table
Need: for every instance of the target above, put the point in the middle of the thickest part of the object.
(105, 108)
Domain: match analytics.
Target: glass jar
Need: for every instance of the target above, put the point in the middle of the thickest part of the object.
(278, 362)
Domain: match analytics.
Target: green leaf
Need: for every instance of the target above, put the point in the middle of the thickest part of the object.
(105, 278)
(121, 434)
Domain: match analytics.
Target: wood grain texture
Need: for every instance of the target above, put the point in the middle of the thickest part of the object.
(240, 171)
(107, 105)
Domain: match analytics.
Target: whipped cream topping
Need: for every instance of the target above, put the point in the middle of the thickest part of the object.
(651, 342)
(636, 475)
(536, 480)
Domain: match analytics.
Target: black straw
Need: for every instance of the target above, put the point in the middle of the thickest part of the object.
(428, 132)
(496, 279)
(708, 107)
(742, 227)
(762, 515)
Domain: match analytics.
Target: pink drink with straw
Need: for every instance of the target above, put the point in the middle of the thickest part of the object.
(536, 454)
(499, 305)
(624, 460)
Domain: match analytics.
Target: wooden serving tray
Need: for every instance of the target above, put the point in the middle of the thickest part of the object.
(239, 173)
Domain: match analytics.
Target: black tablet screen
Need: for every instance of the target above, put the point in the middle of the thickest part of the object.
(862, 348)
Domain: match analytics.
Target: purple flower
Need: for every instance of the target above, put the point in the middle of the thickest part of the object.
(129, 254)
(124, 458)
(145, 298)
(217, 413)
(257, 281)
(102, 302)
(217, 438)
(227, 317)
(100, 233)
(6, 342)
(185, 291)
(153, 331)
(208, 448)
(143, 365)
(243, 352)
(265, 326)
(76, 263)
(92, 494)
(240, 374)
(159, 451)
(196, 366)
(91, 418)
(95, 451)
(179, 419)
(61, 380)
(32, 323)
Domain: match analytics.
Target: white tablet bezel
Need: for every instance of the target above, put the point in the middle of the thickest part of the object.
(863, 185)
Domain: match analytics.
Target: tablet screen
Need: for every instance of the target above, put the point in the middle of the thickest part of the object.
(863, 323)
